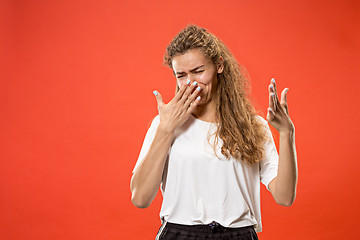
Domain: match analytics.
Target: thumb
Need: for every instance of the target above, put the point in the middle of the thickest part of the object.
(283, 101)
(158, 98)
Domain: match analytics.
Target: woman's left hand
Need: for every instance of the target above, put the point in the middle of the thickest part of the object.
(278, 113)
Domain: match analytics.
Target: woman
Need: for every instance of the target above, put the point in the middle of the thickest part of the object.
(208, 150)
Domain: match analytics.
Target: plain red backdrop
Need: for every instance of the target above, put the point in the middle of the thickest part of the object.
(76, 100)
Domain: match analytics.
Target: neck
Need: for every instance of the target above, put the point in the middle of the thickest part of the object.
(206, 112)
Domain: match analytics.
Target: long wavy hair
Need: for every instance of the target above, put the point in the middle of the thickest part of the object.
(239, 127)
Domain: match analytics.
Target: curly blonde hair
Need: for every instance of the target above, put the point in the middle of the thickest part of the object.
(239, 127)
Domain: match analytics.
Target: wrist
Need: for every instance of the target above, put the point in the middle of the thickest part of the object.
(287, 133)
(288, 130)
(165, 130)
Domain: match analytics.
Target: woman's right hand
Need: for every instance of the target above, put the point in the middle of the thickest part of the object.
(177, 111)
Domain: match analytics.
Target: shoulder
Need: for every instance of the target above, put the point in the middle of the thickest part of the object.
(265, 124)
(261, 120)
(156, 119)
(155, 122)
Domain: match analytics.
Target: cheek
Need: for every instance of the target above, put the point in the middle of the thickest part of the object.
(180, 82)
(205, 79)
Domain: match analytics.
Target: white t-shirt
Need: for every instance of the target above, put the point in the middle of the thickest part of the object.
(199, 188)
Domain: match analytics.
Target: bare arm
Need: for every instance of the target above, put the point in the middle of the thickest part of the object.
(148, 175)
(283, 187)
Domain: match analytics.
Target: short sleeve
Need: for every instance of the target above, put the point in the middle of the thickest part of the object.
(270, 162)
(149, 137)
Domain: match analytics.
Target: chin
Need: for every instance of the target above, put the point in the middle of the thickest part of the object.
(203, 101)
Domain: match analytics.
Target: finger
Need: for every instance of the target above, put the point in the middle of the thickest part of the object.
(181, 92)
(194, 104)
(276, 99)
(187, 93)
(270, 115)
(284, 99)
(192, 97)
(272, 94)
(159, 98)
(272, 104)
(284, 96)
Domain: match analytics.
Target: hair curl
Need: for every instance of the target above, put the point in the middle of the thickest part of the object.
(239, 127)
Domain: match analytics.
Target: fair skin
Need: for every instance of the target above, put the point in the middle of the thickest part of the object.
(192, 70)
(197, 77)
(283, 186)
(194, 67)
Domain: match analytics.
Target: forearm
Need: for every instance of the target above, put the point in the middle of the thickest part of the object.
(286, 181)
(146, 179)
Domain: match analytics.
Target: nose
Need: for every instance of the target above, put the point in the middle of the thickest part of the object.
(190, 78)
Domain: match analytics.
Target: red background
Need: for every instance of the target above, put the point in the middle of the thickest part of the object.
(76, 100)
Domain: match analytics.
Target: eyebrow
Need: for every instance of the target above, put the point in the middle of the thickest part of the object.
(192, 70)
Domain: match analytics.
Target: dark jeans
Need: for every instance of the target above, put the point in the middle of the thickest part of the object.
(214, 230)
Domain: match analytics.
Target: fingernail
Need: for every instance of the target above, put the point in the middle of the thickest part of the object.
(287, 90)
(273, 80)
(195, 83)
(198, 88)
(155, 93)
(198, 98)
(188, 81)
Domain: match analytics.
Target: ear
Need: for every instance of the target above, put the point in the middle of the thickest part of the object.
(220, 65)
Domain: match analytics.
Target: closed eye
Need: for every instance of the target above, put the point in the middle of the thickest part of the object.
(196, 72)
